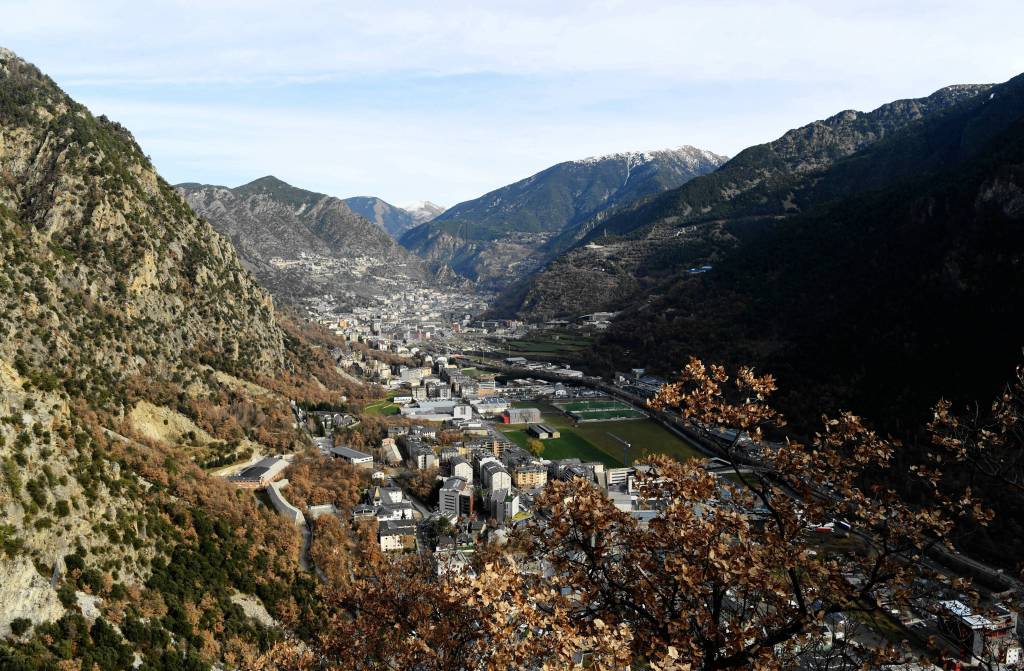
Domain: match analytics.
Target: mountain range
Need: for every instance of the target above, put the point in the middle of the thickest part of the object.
(631, 250)
(507, 233)
(300, 243)
(871, 261)
(864, 257)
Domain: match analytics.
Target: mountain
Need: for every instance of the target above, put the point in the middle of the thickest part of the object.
(135, 350)
(621, 258)
(423, 211)
(902, 292)
(509, 232)
(303, 244)
(394, 220)
(880, 301)
(889, 271)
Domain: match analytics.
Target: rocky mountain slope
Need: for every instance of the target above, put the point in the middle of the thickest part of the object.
(509, 232)
(394, 220)
(879, 302)
(893, 275)
(120, 306)
(299, 243)
(616, 262)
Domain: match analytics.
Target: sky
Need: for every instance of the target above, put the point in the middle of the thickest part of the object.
(447, 100)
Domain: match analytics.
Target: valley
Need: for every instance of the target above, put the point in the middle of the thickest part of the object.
(661, 410)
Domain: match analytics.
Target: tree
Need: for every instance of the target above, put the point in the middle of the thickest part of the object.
(727, 575)
(535, 446)
(424, 484)
(20, 625)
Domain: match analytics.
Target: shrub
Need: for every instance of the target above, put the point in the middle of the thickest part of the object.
(20, 625)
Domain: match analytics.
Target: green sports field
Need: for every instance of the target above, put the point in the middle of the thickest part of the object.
(595, 441)
(596, 411)
(382, 408)
(567, 446)
(573, 406)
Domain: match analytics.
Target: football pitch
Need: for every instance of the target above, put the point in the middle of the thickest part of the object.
(599, 410)
(603, 441)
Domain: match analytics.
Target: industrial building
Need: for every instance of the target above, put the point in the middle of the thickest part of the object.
(521, 416)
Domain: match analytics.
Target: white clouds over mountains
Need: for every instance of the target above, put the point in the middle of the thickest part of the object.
(445, 100)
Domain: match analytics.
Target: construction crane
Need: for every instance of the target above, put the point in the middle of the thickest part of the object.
(625, 448)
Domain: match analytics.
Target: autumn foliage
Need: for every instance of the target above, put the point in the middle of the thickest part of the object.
(725, 576)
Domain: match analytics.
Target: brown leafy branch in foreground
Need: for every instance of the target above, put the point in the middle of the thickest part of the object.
(725, 576)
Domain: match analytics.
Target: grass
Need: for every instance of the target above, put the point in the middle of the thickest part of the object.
(382, 408)
(567, 446)
(646, 437)
(547, 344)
(598, 415)
(570, 406)
(590, 441)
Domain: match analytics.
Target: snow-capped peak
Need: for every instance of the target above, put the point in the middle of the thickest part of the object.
(423, 211)
(685, 152)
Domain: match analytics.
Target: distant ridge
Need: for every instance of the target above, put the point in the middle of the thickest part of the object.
(394, 220)
(272, 224)
(509, 232)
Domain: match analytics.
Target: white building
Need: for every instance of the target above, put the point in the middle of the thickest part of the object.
(396, 536)
(494, 476)
(462, 469)
(480, 463)
(504, 505)
(354, 457)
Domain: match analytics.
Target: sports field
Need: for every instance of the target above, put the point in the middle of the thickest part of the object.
(599, 410)
(598, 441)
(570, 406)
(568, 445)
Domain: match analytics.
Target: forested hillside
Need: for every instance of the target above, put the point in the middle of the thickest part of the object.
(620, 260)
(902, 291)
(135, 351)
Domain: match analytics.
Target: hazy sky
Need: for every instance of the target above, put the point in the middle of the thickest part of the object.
(446, 100)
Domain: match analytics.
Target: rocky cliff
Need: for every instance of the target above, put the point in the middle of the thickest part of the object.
(112, 293)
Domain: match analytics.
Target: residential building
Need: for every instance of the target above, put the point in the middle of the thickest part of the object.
(385, 494)
(455, 497)
(990, 636)
(529, 476)
(461, 468)
(504, 505)
(494, 476)
(396, 536)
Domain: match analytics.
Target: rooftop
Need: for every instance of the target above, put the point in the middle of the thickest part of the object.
(349, 453)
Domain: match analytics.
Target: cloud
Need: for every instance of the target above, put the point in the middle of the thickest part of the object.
(447, 99)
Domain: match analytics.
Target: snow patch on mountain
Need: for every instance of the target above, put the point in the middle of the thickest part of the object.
(686, 154)
(423, 210)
